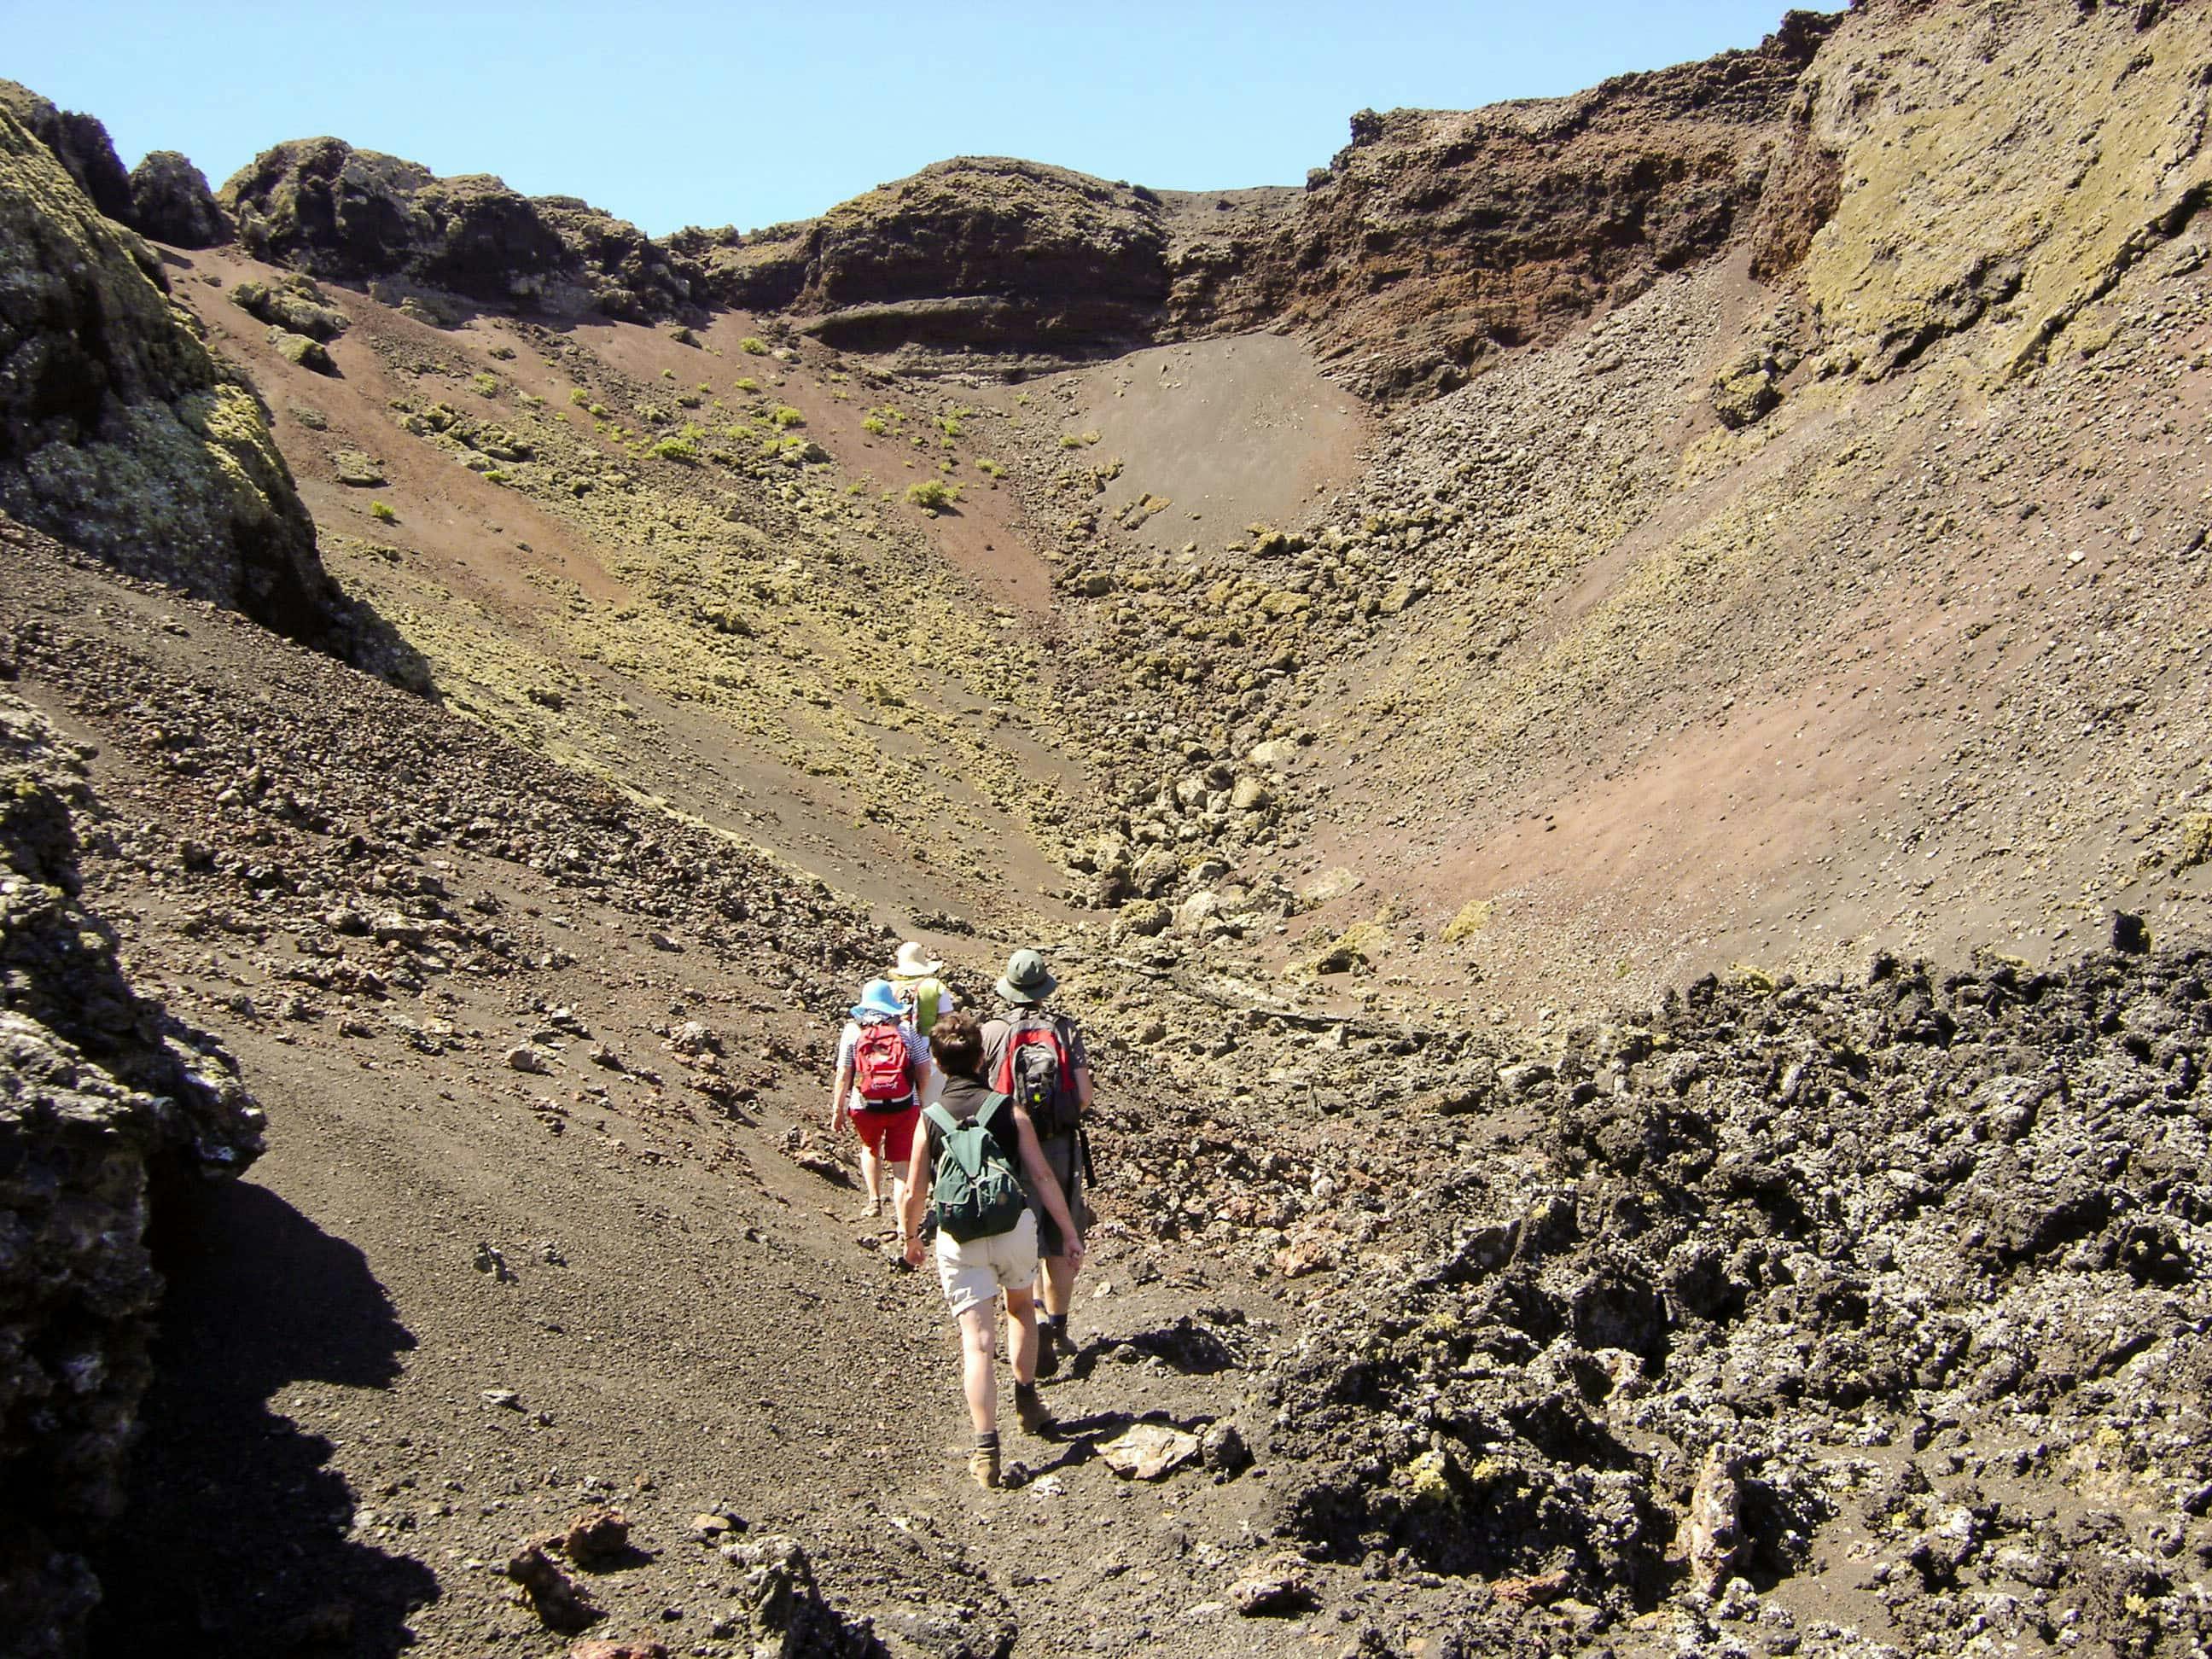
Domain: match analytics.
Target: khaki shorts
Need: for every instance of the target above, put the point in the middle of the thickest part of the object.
(974, 1274)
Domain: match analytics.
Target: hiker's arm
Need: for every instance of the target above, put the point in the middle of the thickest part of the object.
(915, 1203)
(1047, 1185)
(837, 1089)
(1082, 1077)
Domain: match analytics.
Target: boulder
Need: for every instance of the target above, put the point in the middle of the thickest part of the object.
(170, 201)
(1147, 1451)
(122, 434)
(294, 304)
(299, 349)
(1156, 871)
(1251, 795)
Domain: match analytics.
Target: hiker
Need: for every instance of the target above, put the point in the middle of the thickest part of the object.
(1036, 1056)
(882, 1067)
(976, 1146)
(913, 975)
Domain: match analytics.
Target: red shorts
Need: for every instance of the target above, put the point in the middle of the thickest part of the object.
(888, 1134)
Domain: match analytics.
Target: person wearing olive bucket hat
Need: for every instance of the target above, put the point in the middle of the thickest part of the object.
(1036, 1056)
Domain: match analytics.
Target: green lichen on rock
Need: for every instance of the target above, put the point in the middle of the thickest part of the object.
(1473, 916)
(1359, 946)
(1963, 200)
(120, 431)
(2196, 841)
(299, 349)
(294, 304)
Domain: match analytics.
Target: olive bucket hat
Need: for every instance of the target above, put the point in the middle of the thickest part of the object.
(1027, 979)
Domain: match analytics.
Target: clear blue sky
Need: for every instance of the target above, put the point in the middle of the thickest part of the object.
(745, 115)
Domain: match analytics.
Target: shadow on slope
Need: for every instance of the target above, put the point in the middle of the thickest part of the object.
(257, 1559)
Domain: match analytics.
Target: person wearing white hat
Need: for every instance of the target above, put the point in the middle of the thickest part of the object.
(914, 977)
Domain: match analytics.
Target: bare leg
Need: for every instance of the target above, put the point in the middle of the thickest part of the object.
(871, 1171)
(898, 1187)
(1021, 1327)
(1059, 1284)
(979, 1354)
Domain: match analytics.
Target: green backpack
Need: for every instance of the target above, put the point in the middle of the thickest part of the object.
(975, 1191)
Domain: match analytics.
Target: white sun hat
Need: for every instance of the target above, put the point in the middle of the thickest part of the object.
(913, 962)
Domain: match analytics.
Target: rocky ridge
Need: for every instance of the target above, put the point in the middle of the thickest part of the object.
(358, 216)
(121, 431)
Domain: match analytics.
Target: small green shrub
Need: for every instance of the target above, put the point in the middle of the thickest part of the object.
(487, 385)
(382, 514)
(530, 400)
(874, 427)
(785, 416)
(676, 449)
(746, 383)
(1069, 440)
(753, 347)
(579, 396)
(933, 494)
(668, 373)
(989, 468)
(950, 426)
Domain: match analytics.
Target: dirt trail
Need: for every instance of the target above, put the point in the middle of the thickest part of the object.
(458, 1304)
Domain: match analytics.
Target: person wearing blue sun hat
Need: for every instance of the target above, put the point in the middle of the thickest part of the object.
(883, 1068)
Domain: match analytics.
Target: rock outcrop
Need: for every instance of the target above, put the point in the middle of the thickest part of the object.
(357, 216)
(80, 142)
(985, 252)
(1436, 239)
(121, 433)
(99, 1092)
(170, 201)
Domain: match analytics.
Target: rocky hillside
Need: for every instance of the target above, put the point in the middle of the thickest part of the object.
(353, 215)
(120, 431)
(1639, 910)
(104, 1098)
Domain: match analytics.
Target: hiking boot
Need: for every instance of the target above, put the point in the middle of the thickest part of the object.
(983, 1464)
(1048, 1347)
(1029, 1408)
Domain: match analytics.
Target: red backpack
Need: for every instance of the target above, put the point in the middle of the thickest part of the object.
(879, 1065)
(1038, 1070)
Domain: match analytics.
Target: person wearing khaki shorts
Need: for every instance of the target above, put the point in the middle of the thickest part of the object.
(978, 1273)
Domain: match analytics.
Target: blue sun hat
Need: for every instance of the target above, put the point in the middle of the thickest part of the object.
(878, 1000)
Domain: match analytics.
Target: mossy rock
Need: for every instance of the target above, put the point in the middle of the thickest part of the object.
(350, 466)
(295, 305)
(299, 349)
(125, 435)
(1359, 946)
(2196, 840)
(1745, 394)
(1473, 916)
